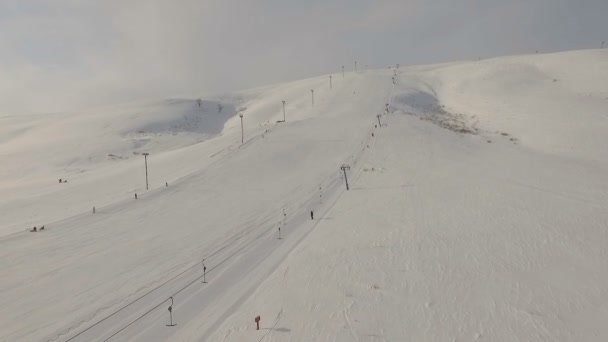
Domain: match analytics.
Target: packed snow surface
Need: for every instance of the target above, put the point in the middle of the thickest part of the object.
(477, 210)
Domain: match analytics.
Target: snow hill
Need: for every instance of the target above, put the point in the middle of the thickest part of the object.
(476, 210)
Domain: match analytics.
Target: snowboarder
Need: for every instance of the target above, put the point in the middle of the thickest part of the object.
(42, 228)
(312, 215)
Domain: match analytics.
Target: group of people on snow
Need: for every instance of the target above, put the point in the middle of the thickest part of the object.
(61, 180)
(33, 230)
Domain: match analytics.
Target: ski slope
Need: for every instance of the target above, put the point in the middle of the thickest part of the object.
(476, 211)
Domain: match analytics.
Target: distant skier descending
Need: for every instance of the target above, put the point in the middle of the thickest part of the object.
(312, 215)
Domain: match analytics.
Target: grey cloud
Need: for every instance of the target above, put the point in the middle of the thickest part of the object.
(68, 54)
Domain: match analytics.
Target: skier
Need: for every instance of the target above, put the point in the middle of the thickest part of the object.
(60, 180)
(42, 228)
(135, 195)
(166, 184)
(312, 216)
(33, 230)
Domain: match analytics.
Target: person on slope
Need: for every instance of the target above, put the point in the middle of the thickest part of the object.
(312, 215)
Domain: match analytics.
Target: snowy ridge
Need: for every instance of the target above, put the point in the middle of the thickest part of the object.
(476, 211)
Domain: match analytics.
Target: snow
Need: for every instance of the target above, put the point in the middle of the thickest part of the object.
(476, 211)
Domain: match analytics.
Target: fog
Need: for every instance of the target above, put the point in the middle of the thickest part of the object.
(64, 55)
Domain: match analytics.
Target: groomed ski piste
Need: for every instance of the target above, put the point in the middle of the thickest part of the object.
(477, 210)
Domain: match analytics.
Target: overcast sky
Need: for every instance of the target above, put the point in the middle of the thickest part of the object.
(60, 55)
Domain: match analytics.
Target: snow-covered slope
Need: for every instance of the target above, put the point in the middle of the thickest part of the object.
(84, 148)
(476, 211)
